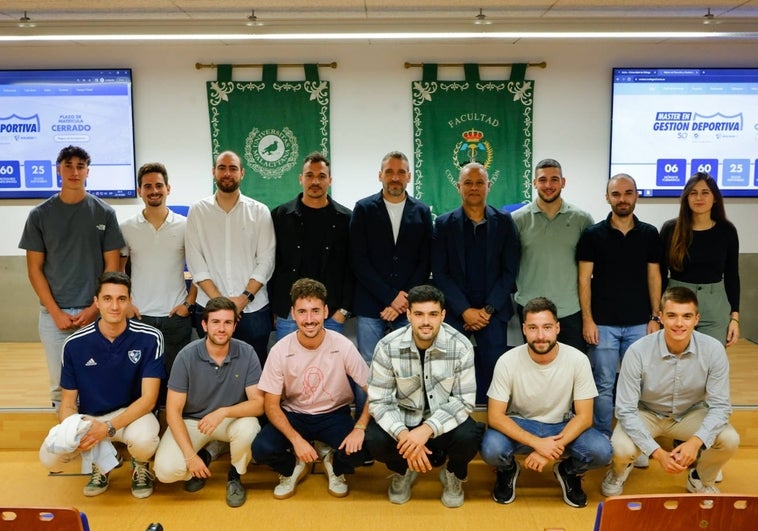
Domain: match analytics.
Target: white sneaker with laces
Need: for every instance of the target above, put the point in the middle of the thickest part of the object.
(613, 485)
(400, 487)
(452, 489)
(287, 484)
(337, 484)
(695, 485)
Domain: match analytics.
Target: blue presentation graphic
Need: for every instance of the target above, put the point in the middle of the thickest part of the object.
(42, 112)
(670, 123)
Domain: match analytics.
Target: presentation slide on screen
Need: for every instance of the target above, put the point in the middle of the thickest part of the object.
(38, 117)
(668, 125)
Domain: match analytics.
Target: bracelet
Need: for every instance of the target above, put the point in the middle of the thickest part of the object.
(359, 426)
(190, 458)
(735, 320)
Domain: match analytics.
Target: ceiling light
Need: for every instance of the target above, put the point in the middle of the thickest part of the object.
(481, 18)
(25, 22)
(709, 18)
(252, 20)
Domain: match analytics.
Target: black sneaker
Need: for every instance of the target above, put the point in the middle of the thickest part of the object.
(194, 484)
(571, 484)
(505, 484)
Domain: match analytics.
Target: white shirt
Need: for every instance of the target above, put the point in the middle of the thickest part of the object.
(157, 258)
(232, 248)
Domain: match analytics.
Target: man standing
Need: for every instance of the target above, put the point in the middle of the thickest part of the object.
(70, 239)
(230, 246)
(674, 383)
(307, 398)
(475, 254)
(155, 250)
(390, 245)
(421, 392)
(619, 288)
(312, 242)
(541, 405)
(212, 396)
(549, 229)
(110, 377)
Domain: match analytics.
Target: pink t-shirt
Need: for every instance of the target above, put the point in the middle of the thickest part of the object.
(313, 381)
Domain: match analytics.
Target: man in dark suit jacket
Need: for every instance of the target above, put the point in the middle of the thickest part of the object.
(390, 244)
(475, 254)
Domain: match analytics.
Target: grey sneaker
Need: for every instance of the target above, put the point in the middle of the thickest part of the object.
(696, 486)
(97, 484)
(287, 484)
(642, 461)
(400, 487)
(452, 489)
(194, 484)
(613, 485)
(235, 493)
(142, 479)
(337, 484)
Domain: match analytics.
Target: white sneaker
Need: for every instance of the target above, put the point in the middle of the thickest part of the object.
(719, 477)
(287, 484)
(642, 461)
(452, 489)
(613, 485)
(337, 484)
(695, 485)
(400, 487)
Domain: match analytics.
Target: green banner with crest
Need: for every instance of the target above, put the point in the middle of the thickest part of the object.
(457, 122)
(272, 125)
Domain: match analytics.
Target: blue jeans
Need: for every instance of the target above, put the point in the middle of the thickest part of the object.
(590, 450)
(254, 328)
(287, 325)
(52, 340)
(272, 448)
(605, 358)
(370, 330)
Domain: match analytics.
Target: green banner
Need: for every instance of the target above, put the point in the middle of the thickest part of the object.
(457, 122)
(272, 125)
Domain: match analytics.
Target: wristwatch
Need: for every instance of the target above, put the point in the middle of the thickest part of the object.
(111, 429)
(655, 318)
(489, 309)
(345, 313)
(249, 296)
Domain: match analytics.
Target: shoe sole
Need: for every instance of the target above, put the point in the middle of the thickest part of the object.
(292, 492)
(338, 494)
(142, 493)
(513, 496)
(563, 489)
(93, 493)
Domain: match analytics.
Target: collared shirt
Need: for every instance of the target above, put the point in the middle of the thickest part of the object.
(157, 258)
(232, 248)
(548, 247)
(654, 379)
(398, 382)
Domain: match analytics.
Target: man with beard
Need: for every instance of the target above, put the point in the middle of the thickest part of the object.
(312, 242)
(212, 396)
(475, 254)
(619, 288)
(421, 392)
(541, 406)
(549, 229)
(155, 250)
(230, 247)
(307, 398)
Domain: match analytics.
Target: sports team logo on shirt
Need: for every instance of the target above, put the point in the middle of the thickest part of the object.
(134, 356)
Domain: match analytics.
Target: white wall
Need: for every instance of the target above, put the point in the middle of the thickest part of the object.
(371, 109)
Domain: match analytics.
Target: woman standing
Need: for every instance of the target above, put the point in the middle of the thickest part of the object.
(702, 253)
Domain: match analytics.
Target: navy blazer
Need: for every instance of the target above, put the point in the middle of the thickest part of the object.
(382, 267)
(449, 262)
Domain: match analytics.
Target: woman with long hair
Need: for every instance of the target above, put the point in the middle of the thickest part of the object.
(702, 253)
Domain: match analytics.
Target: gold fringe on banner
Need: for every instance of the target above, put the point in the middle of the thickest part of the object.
(543, 64)
(333, 64)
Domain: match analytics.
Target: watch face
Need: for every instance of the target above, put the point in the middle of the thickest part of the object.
(489, 309)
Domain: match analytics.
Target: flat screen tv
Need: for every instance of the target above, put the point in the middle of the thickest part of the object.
(43, 111)
(668, 123)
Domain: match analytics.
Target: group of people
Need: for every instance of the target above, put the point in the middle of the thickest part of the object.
(585, 295)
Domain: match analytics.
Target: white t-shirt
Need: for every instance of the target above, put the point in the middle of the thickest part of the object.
(395, 211)
(544, 393)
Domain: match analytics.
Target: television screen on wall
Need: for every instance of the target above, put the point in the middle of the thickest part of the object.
(668, 123)
(43, 111)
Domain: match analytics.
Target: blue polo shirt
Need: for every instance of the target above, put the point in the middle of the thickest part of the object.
(108, 375)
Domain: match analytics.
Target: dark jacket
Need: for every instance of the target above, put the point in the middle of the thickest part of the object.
(382, 267)
(449, 262)
(334, 261)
